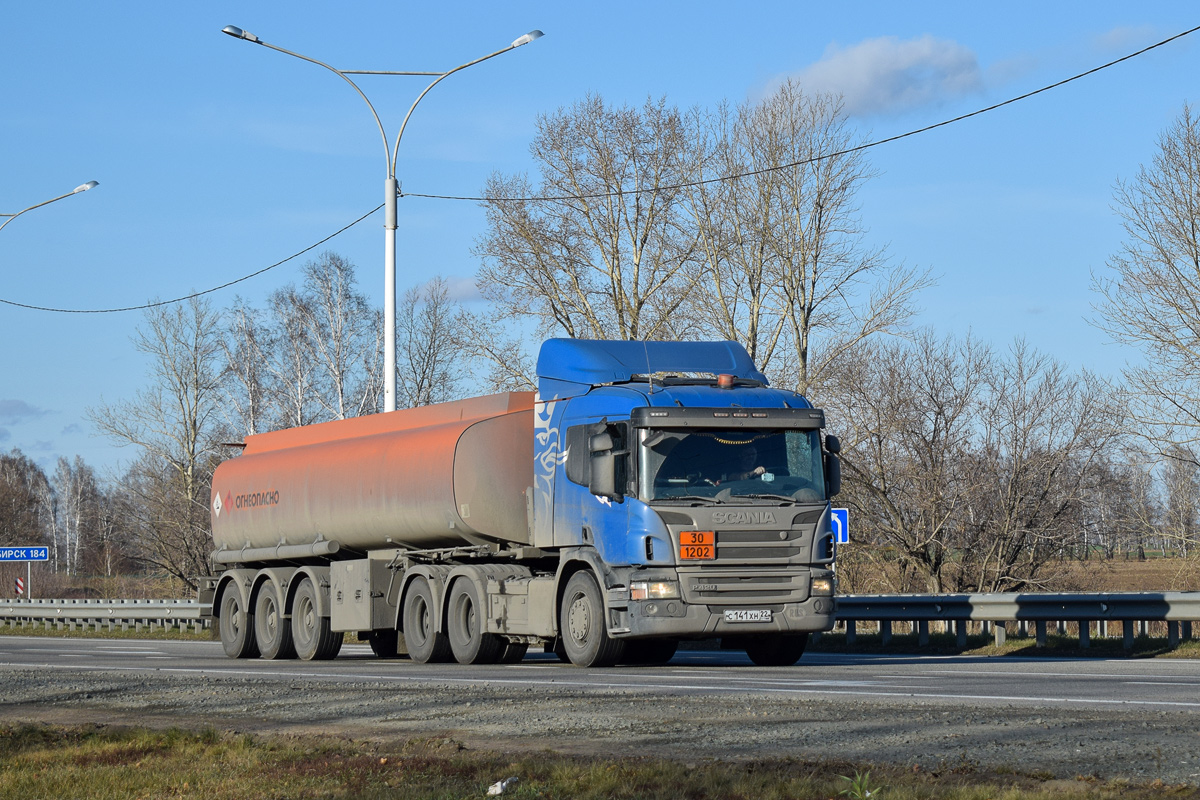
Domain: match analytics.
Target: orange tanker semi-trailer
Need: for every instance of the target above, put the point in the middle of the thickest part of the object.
(434, 476)
(295, 501)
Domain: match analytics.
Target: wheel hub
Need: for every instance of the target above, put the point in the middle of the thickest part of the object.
(579, 620)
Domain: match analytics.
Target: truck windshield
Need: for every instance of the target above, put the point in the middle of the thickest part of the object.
(698, 464)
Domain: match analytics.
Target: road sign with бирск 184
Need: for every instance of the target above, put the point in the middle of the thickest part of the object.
(839, 518)
(24, 553)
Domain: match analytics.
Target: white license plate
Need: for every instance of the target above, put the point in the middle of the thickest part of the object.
(748, 615)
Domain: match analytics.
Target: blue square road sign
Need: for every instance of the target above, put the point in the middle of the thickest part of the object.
(839, 518)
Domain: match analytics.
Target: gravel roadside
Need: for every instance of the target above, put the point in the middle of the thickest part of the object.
(1060, 742)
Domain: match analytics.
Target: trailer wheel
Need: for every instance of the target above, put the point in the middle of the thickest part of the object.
(581, 618)
(272, 630)
(236, 626)
(776, 651)
(465, 622)
(425, 644)
(314, 638)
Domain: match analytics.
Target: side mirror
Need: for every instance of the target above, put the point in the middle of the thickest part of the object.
(833, 444)
(603, 443)
(833, 474)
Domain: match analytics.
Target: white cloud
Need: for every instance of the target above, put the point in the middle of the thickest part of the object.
(1127, 37)
(15, 411)
(462, 290)
(887, 75)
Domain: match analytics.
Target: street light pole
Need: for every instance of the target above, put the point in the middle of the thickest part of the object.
(76, 190)
(390, 185)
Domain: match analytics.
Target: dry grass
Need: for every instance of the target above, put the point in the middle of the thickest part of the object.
(39, 761)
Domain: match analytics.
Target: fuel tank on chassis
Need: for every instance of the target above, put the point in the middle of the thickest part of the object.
(435, 476)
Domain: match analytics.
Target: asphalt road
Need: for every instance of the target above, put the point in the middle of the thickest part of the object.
(1143, 683)
(1110, 718)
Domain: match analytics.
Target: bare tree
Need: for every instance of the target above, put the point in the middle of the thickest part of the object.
(1042, 431)
(598, 248)
(78, 507)
(23, 487)
(292, 364)
(323, 350)
(1150, 298)
(247, 345)
(967, 471)
(429, 350)
(344, 336)
(787, 270)
(910, 413)
(173, 423)
(1181, 523)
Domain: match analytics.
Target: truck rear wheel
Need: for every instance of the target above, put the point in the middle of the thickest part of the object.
(581, 618)
(314, 638)
(464, 624)
(236, 626)
(425, 644)
(384, 644)
(776, 651)
(272, 630)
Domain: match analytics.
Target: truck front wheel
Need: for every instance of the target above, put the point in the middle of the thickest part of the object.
(314, 638)
(425, 644)
(236, 626)
(581, 619)
(776, 651)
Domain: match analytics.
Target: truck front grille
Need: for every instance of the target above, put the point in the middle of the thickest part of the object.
(724, 586)
(748, 547)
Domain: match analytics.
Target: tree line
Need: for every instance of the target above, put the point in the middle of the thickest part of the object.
(968, 467)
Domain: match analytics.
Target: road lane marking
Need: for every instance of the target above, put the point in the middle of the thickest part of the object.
(720, 687)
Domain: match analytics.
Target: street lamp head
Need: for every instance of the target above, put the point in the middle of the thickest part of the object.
(238, 33)
(86, 186)
(527, 38)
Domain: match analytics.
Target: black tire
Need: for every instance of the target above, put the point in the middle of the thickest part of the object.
(465, 618)
(644, 652)
(425, 644)
(776, 651)
(272, 630)
(384, 644)
(312, 635)
(558, 650)
(236, 626)
(513, 653)
(581, 620)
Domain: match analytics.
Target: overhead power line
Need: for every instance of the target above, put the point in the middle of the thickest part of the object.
(157, 303)
(689, 184)
(823, 156)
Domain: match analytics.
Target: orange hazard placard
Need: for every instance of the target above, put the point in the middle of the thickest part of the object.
(697, 545)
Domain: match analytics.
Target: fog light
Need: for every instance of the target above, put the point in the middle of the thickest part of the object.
(821, 587)
(653, 590)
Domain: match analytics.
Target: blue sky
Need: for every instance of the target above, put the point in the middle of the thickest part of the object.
(216, 157)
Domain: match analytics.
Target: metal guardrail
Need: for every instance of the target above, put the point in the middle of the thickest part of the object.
(1133, 610)
(106, 614)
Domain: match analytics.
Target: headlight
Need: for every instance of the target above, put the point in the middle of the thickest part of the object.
(653, 590)
(821, 587)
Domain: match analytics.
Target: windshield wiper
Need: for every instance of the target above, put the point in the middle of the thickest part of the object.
(693, 498)
(785, 497)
